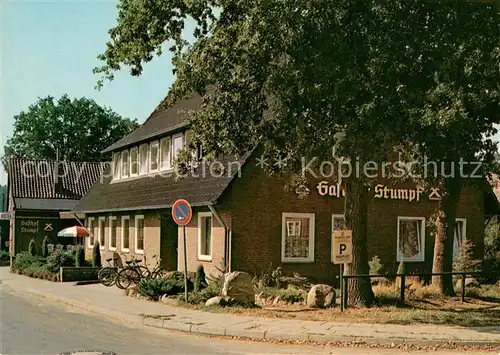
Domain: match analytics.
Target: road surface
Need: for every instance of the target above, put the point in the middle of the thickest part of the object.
(32, 325)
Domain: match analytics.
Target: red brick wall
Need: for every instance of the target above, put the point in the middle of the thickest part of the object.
(257, 202)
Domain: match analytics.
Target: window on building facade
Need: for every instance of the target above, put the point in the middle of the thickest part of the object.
(116, 166)
(125, 240)
(297, 237)
(165, 153)
(154, 152)
(139, 234)
(134, 161)
(460, 235)
(205, 236)
(90, 228)
(113, 226)
(125, 164)
(102, 230)
(411, 239)
(143, 159)
(177, 144)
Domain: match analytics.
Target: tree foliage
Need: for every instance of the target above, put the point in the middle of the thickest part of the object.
(96, 255)
(78, 128)
(300, 77)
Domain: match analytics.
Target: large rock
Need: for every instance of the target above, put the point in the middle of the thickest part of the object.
(238, 286)
(321, 296)
(469, 282)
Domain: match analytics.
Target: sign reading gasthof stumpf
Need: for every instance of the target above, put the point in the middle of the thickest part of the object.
(381, 192)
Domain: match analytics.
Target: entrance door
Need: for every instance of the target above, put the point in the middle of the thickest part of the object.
(168, 243)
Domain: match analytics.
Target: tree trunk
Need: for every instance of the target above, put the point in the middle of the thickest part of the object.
(445, 233)
(360, 291)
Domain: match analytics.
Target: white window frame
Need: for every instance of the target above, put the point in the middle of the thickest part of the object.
(90, 222)
(421, 256)
(125, 250)
(102, 246)
(136, 218)
(464, 235)
(201, 256)
(157, 143)
(312, 222)
(122, 165)
(146, 146)
(119, 163)
(173, 155)
(169, 162)
(110, 232)
(134, 149)
(335, 216)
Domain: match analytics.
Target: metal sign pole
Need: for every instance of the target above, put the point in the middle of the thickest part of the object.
(342, 287)
(185, 264)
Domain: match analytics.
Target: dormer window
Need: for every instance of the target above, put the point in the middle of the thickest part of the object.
(143, 159)
(154, 153)
(125, 164)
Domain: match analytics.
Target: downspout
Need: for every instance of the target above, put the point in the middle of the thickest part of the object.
(227, 241)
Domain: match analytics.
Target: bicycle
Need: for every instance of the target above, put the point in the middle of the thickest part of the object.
(134, 273)
(107, 275)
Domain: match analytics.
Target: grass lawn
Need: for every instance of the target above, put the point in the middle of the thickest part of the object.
(423, 306)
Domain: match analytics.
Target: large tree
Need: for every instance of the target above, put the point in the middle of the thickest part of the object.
(292, 75)
(79, 129)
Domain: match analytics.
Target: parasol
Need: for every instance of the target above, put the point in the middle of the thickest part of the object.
(73, 232)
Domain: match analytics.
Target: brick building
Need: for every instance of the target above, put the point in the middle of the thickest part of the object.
(245, 220)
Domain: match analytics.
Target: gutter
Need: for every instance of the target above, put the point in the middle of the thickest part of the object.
(227, 239)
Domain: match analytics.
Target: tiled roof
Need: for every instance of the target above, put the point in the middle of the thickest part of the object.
(157, 191)
(160, 122)
(36, 179)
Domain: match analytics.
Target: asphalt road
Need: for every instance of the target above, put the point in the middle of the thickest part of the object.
(32, 325)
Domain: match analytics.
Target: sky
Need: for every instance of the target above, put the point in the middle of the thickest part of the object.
(50, 48)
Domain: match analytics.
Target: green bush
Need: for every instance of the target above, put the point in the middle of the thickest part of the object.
(375, 265)
(155, 288)
(60, 259)
(465, 260)
(292, 294)
(80, 257)
(45, 249)
(96, 255)
(24, 259)
(32, 247)
(200, 281)
(4, 255)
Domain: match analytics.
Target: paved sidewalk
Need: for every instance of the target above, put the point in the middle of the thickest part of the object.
(112, 303)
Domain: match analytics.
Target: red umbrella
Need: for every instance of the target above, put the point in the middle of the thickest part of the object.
(73, 232)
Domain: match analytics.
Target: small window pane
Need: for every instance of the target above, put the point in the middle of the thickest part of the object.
(112, 233)
(410, 238)
(125, 163)
(134, 168)
(297, 237)
(178, 144)
(206, 236)
(140, 233)
(102, 228)
(116, 166)
(126, 233)
(153, 162)
(165, 153)
(143, 159)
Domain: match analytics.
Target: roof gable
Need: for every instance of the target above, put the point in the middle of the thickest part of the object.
(160, 122)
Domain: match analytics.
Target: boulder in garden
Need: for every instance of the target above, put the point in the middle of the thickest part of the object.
(321, 296)
(239, 287)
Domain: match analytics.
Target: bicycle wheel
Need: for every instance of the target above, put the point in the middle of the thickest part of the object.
(127, 277)
(107, 276)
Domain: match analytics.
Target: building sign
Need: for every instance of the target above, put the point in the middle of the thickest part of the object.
(342, 246)
(48, 227)
(6, 215)
(383, 192)
(30, 226)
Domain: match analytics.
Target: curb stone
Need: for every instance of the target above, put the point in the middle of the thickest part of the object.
(153, 322)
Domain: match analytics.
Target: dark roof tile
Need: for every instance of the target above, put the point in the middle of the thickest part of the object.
(35, 179)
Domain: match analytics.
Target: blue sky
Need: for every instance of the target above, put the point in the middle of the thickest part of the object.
(50, 48)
